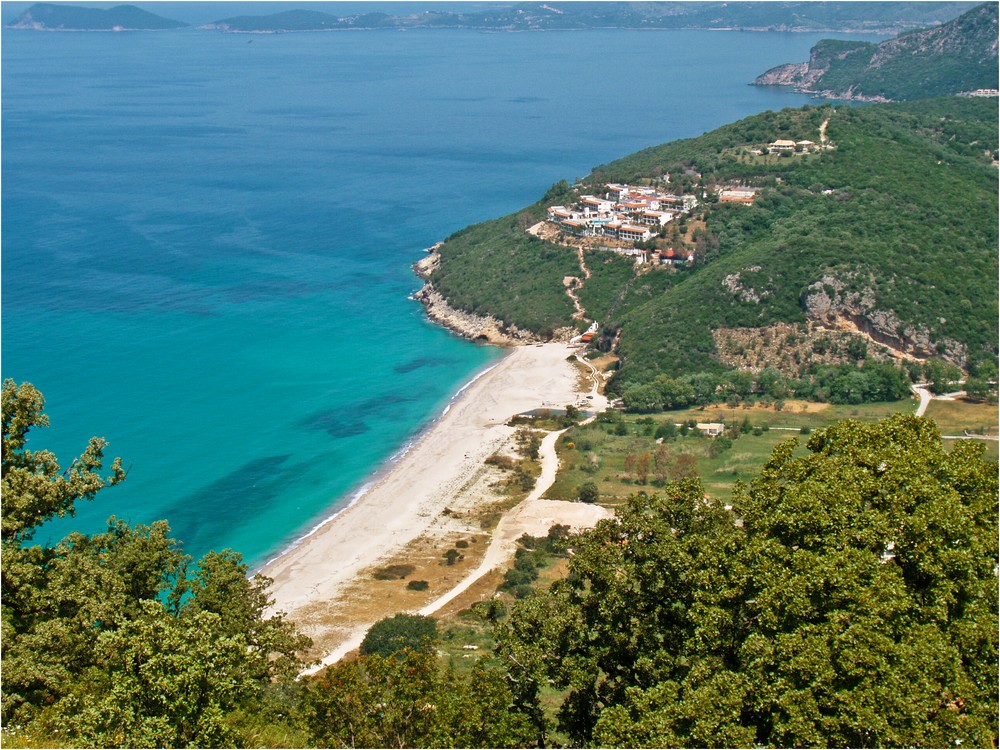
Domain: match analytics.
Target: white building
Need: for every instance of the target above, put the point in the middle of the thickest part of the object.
(592, 204)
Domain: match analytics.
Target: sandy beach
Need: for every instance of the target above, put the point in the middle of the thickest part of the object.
(413, 495)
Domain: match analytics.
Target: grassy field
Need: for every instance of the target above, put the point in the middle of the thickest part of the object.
(608, 452)
(959, 417)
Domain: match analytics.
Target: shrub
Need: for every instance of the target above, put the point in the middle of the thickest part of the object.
(394, 634)
(587, 493)
(393, 572)
(501, 461)
(417, 585)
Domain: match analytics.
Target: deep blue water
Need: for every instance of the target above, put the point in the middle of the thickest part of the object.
(207, 238)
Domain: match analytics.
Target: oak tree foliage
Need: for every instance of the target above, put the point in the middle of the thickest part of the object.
(115, 639)
(855, 604)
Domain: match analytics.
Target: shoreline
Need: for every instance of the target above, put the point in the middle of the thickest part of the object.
(357, 493)
(411, 494)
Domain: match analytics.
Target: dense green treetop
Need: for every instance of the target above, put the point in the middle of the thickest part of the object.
(854, 604)
(408, 701)
(848, 598)
(112, 639)
(399, 633)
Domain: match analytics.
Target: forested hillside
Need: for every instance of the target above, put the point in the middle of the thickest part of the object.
(956, 57)
(891, 231)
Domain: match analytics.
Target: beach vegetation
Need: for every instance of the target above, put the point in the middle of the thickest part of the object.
(548, 419)
(394, 572)
(502, 461)
(532, 556)
(402, 632)
(528, 442)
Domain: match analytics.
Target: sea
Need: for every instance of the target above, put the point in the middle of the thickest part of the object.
(207, 238)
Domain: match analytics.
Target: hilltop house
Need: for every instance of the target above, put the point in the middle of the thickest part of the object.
(671, 257)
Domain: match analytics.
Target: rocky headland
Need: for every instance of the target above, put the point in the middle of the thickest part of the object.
(468, 324)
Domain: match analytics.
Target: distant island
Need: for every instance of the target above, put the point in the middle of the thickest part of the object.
(541, 16)
(48, 17)
(958, 57)
(874, 18)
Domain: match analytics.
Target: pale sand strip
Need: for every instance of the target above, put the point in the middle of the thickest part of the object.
(308, 579)
(531, 516)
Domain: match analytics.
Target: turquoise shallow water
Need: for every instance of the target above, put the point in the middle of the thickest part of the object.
(207, 238)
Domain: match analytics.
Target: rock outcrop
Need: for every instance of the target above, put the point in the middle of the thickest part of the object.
(831, 301)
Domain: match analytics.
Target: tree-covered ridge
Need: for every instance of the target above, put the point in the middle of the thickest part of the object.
(875, 17)
(51, 17)
(891, 229)
(497, 268)
(896, 229)
(956, 57)
(868, 17)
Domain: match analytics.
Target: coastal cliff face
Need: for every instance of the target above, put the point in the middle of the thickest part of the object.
(790, 74)
(808, 77)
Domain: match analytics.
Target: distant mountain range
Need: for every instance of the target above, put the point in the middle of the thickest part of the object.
(956, 57)
(48, 17)
(867, 17)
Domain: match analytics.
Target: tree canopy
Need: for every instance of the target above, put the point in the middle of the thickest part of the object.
(115, 639)
(848, 599)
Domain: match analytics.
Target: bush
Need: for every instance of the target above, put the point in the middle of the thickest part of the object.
(417, 585)
(587, 493)
(394, 634)
(393, 572)
(501, 461)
